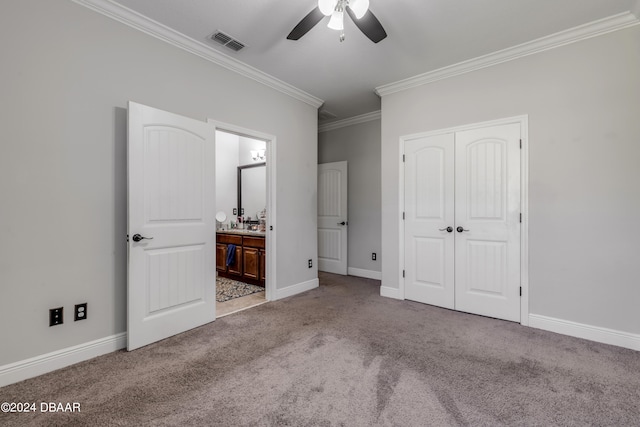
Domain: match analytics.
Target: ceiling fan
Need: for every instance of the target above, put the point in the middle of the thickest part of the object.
(358, 11)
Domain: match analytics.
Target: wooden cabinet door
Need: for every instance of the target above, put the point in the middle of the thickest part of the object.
(251, 263)
(236, 267)
(221, 257)
(263, 269)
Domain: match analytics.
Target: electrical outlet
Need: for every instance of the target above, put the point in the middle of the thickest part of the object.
(80, 312)
(310, 263)
(373, 256)
(56, 316)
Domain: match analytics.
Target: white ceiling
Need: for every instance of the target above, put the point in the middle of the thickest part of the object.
(423, 35)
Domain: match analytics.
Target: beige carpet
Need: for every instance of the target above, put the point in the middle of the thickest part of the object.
(341, 355)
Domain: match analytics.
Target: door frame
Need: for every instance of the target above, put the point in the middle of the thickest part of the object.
(270, 243)
(523, 121)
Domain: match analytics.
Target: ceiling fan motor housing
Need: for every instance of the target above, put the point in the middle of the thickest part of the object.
(328, 7)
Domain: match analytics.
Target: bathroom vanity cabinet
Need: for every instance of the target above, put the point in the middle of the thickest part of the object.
(249, 264)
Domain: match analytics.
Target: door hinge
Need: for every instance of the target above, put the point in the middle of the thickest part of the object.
(521, 144)
(520, 290)
(403, 158)
(520, 217)
(402, 273)
(403, 216)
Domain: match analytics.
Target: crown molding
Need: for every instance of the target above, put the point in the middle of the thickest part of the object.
(155, 29)
(572, 35)
(363, 118)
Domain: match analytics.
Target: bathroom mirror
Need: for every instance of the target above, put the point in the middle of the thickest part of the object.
(252, 189)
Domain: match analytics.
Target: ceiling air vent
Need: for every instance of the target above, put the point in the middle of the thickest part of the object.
(226, 40)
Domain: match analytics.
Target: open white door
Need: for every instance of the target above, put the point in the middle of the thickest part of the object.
(171, 225)
(332, 217)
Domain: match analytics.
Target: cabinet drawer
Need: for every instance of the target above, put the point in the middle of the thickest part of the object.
(229, 239)
(253, 242)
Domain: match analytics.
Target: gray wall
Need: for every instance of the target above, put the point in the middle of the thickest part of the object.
(359, 145)
(583, 102)
(66, 76)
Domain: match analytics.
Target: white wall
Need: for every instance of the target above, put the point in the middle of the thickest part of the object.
(227, 149)
(583, 102)
(66, 76)
(359, 145)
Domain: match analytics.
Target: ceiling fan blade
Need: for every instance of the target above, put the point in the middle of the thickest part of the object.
(369, 25)
(307, 23)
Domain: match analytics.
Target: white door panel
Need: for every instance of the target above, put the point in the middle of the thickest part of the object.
(488, 206)
(429, 210)
(171, 283)
(332, 217)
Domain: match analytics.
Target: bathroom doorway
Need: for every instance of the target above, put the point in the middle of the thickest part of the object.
(244, 249)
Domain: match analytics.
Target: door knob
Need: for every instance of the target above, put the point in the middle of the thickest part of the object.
(448, 229)
(137, 238)
(342, 223)
(460, 229)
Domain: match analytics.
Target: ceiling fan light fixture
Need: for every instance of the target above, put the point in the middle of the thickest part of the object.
(327, 6)
(337, 21)
(359, 7)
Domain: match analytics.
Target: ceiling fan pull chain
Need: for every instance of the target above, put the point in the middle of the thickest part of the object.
(341, 36)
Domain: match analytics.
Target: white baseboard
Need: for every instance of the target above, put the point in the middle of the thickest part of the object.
(296, 289)
(24, 369)
(368, 274)
(580, 330)
(388, 292)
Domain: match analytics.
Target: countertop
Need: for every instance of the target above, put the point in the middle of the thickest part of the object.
(243, 232)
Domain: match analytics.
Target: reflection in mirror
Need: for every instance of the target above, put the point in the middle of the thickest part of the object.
(252, 189)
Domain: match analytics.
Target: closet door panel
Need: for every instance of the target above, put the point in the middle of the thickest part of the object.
(429, 211)
(487, 198)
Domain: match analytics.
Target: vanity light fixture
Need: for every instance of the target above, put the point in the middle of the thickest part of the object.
(257, 155)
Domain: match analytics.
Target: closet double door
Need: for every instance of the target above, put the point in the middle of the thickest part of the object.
(462, 221)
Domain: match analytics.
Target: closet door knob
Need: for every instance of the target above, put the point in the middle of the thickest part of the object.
(448, 229)
(460, 229)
